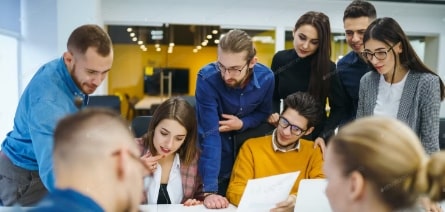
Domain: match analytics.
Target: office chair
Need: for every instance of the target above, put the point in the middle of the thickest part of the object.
(108, 101)
(131, 103)
(239, 139)
(190, 99)
(139, 125)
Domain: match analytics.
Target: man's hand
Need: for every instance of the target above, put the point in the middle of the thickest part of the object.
(287, 205)
(214, 201)
(320, 142)
(273, 119)
(230, 123)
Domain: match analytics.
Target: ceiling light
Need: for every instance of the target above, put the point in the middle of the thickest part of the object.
(134, 39)
(140, 42)
(132, 34)
(214, 31)
(129, 29)
(216, 41)
(209, 36)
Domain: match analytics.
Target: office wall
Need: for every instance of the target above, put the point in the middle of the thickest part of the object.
(126, 75)
(416, 19)
(9, 34)
(40, 29)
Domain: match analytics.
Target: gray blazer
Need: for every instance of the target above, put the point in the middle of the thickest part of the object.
(419, 105)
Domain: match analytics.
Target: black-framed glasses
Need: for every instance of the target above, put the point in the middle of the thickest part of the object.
(232, 70)
(294, 129)
(380, 55)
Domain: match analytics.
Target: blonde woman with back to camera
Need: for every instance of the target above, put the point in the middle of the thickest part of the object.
(378, 164)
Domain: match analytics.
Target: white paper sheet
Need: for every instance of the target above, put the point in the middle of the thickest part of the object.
(311, 196)
(262, 194)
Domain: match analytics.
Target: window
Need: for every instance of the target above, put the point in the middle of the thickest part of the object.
(9, 80)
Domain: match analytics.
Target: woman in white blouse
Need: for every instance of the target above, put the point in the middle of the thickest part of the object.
(400, 85)
(170, 150)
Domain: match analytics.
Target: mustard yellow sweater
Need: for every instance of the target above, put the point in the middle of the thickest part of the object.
(257, 159)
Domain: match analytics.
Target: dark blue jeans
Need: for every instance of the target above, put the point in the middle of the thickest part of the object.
(18, 185)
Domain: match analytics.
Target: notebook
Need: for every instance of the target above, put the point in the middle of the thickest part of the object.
(311, 196)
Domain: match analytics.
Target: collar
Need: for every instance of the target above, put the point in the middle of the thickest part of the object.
(176, 161)
(355, 58)
(276, 148)
(70, 82)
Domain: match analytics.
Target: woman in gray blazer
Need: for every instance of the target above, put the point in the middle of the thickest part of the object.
(400, 85)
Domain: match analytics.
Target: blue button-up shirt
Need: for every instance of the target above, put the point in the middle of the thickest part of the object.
(350, 69)
(48, 97)
(252, 104)
(66, 200)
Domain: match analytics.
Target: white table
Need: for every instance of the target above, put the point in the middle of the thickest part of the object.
(180, 207)
(150, 208)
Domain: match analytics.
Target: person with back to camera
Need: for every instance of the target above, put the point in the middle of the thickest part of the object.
(170, 150)
(57, 89)
(308, 68)
(357, 17)
(377, 164)
(232, 95)
(96, 165)
(400, 85)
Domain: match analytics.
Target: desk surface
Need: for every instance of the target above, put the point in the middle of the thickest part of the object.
(150, 208)
(146, 102)
(180, 207)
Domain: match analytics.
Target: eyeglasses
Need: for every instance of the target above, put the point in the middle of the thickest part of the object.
(232, 71)
(294, 129)
(380, 55)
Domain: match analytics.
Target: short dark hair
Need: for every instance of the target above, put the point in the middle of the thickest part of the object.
(89, 35)
(360, 8)
(306, 105)
(71, 129)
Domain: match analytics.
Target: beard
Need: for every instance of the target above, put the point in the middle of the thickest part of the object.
(84, 87)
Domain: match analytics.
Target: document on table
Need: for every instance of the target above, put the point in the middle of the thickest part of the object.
(262, 194)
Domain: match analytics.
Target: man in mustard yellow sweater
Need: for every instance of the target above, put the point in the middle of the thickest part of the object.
(282, 152)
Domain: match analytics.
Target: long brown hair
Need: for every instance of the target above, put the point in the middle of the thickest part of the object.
(319, 82)
(388, 31)
(180, 110)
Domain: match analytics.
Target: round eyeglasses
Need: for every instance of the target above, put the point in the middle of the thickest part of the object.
(294, 129)
(234, 71)
(380, 55)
